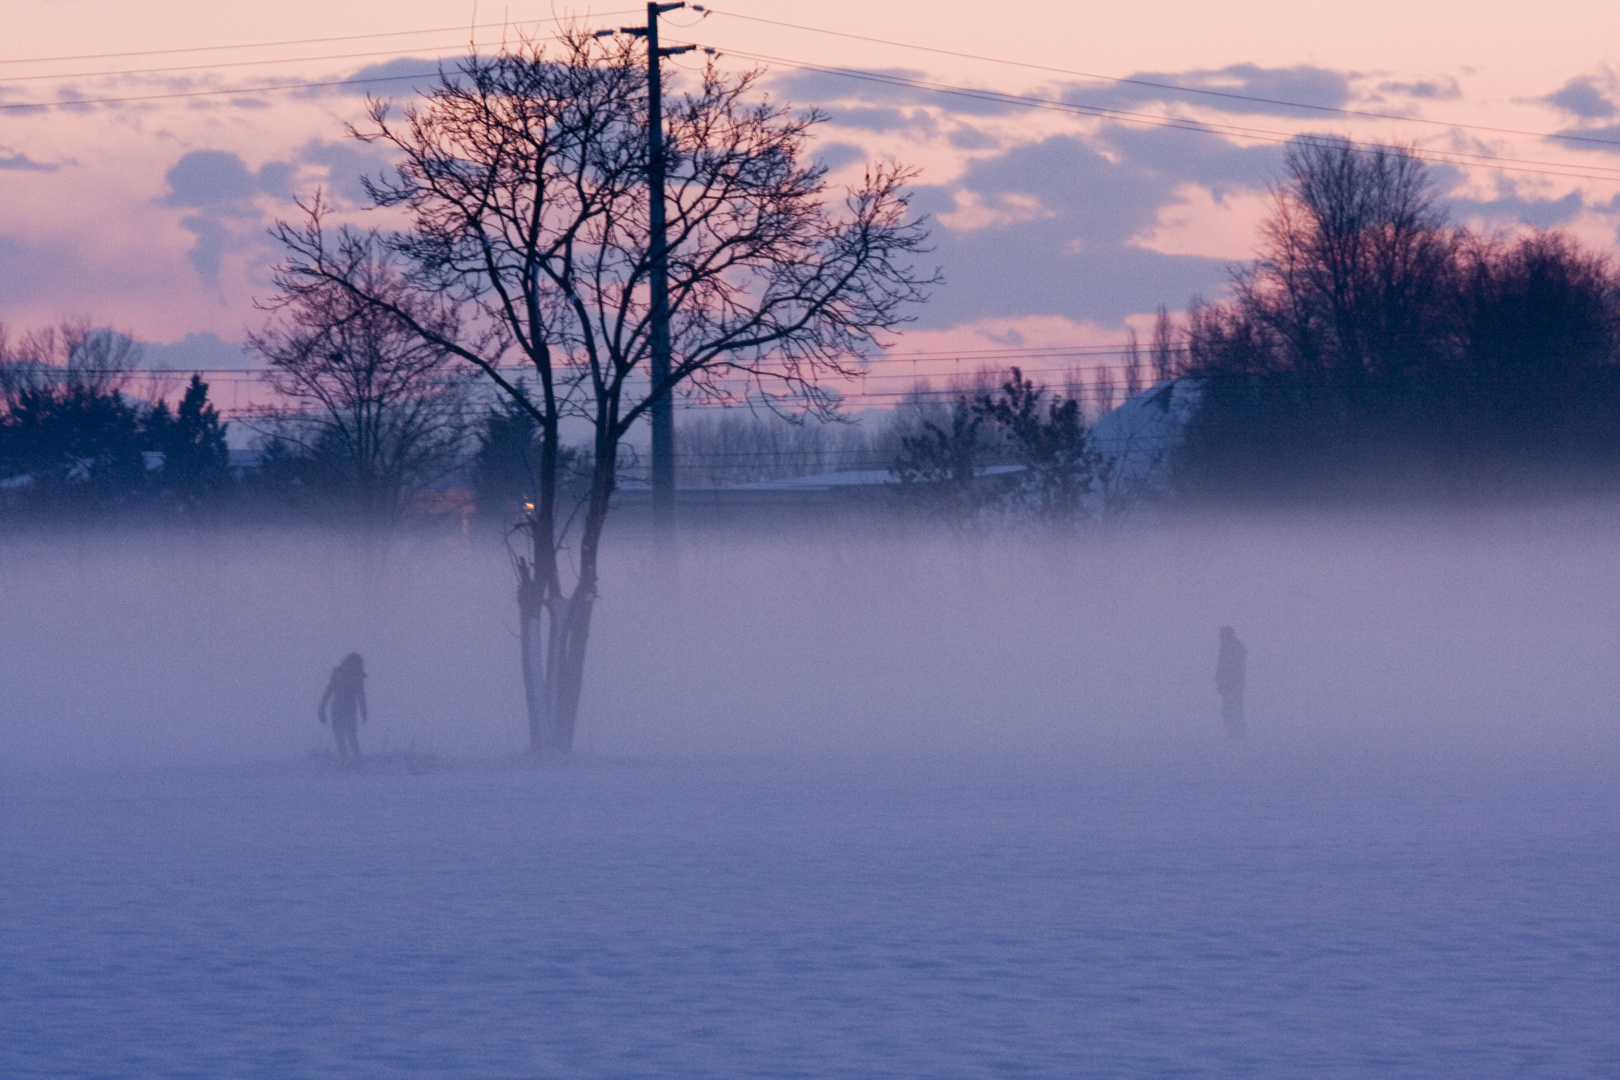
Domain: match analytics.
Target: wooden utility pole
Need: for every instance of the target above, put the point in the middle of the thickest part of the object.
(663, 407)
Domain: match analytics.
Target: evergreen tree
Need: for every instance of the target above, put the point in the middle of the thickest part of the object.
(505, 467)
(196, 462)
(78, 446)
(1048, 437)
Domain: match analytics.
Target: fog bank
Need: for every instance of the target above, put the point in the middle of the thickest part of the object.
(1495, 635)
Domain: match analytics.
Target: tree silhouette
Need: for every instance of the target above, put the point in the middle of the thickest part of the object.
(522, 179)
(376, 413)
(196, 463)
(1374, 346)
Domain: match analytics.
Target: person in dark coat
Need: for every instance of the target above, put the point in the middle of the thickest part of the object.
(346, 694)
(1229, 673)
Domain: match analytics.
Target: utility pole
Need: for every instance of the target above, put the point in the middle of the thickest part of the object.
(663, 409)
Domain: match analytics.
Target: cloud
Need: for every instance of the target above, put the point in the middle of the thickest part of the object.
(841, 94)
(1610, 133)
(882, 121)
(1194, 154)
(1238, 88)
(276, 178)
(964, 137)
(344, 162)
(24, 163)
(1055, 227)
(819, 86)
(835, 155)
(975, 211)
(1443, 89)
(1582, 97)
(392, 78)
(197, 352)
(209, 178)
(1512, 209)
(1051, 216)
(1202, 222)
(212, 239)
(219, 186)
(1047, 229)
(116, 276)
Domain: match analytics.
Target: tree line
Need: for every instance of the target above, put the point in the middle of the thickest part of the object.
(365, 430)
(368, 422)
(1376, 348)
(73, 442)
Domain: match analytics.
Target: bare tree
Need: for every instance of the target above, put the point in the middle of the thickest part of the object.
(69, 436)
(1133, 366)
(1013, 451)
(1375, 347)
(73, 353)
(732, 446)
(1353, 276)
(1163, 348)
(377, 411)
(943, 456)
(1103, 390)
(523, 178)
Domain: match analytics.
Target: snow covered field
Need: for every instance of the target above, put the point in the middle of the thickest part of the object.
(1224, 915)
(861, 808)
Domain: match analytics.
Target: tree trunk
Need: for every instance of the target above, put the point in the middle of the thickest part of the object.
(555, 630)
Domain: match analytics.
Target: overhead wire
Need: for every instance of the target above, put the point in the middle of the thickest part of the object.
(307, 41)
(1100, 349)
(234, 92)
(1181, 123)
(272, 60)
(1269, 135)
(238, 91)
(1179, 88)
(211, 67)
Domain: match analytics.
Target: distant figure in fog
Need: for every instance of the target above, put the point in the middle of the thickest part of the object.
(346, 694)
(1229, 671)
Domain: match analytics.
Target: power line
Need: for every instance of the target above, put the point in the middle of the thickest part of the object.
(886, 357)
(204, 67)
(233, 91)
(1230, 95)
(213, 93)
(1459, 158)
(257, 375)
(1271, 135)
(238, 63)
(299, 41)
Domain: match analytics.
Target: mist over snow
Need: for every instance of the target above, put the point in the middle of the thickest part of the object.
(1495, 633)
(846, 802)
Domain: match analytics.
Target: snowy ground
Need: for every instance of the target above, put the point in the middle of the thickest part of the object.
(888, 805)
(1230, 914)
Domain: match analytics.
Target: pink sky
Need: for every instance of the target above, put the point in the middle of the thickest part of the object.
(1055, 230)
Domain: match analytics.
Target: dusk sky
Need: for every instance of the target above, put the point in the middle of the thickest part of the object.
(1054, 228)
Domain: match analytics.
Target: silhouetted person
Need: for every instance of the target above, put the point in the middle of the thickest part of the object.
(1229, 672)
(346, 694)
